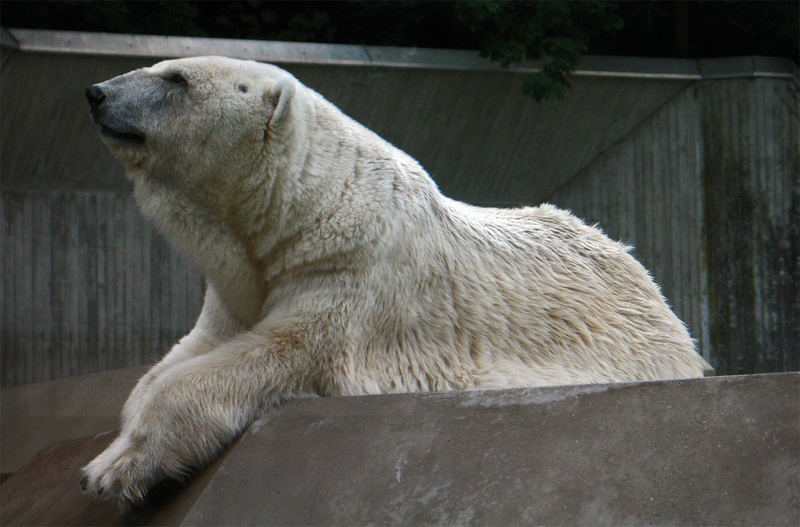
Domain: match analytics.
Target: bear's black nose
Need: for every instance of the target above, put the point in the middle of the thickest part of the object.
(95, 96)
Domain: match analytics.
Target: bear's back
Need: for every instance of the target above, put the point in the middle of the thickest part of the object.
(533, 296)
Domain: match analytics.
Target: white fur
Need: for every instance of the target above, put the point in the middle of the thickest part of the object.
(336, 267)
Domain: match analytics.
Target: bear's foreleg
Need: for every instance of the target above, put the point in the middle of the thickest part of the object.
(190, 411)
(214, 326)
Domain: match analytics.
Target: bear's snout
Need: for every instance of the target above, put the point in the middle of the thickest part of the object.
(117, 120)
(95, 95)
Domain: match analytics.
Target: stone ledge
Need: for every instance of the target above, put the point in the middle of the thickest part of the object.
(722, 451)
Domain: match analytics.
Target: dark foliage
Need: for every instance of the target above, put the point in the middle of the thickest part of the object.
(558, 31)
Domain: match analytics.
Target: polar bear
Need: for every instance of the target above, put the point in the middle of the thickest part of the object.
(334, 266)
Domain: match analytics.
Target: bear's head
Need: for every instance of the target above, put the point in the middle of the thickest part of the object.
(180, 121)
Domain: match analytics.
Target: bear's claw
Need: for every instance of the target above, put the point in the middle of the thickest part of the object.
(118, 474)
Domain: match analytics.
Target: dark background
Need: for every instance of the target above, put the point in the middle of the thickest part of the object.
(692, 29)
(553, 31)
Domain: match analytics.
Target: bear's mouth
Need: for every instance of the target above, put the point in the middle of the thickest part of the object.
(127, 136)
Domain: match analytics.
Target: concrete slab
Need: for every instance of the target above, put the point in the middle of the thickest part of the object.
(46, 492)
(42, 493)
(37, 415)
(719, 451)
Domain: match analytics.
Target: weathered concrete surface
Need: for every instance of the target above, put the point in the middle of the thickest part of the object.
(33, 416)
(46, 492)
(719, 451)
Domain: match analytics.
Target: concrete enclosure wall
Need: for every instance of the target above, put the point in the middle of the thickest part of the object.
(653, 150)
(707, 189)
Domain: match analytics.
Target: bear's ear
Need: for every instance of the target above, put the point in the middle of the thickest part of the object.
(279, 98)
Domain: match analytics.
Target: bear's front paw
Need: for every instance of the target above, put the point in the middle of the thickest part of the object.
(121, 473)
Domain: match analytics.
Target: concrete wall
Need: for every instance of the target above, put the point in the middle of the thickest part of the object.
(88, 286)
(751, 133)
(707, 189)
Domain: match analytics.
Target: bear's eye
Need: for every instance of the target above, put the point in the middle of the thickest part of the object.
(176, 78)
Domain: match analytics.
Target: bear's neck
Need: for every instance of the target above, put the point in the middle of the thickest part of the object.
(330, 194)
(209, 243)
(304, 206)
